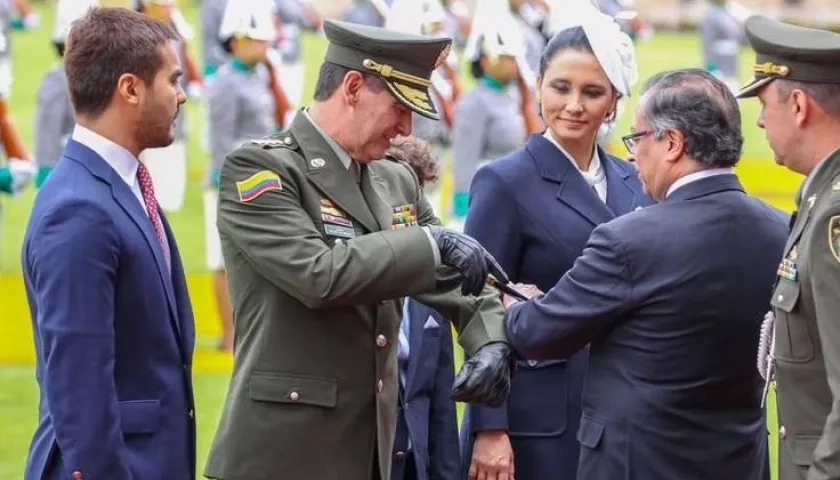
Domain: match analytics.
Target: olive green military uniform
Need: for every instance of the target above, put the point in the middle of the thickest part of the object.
(319, 251)
(806, 300)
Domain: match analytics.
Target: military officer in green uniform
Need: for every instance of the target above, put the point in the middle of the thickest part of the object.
(321, 237)
(797, 82)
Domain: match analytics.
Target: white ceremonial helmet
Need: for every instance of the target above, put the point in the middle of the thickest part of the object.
(66, 12)
(252, 19)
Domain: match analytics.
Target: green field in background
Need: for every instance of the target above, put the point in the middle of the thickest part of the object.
(34, 55)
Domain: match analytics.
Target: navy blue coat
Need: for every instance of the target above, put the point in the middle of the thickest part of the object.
(534, 212)
(113, 332)
(427, 413)
(671, 298)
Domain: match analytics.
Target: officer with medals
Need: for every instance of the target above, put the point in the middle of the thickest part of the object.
(240, 108)
(797, 83)
(322, 238)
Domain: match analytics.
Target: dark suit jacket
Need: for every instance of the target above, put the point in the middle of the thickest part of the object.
(113, 328)
(427, 414)
(534, 212)
(671, 298)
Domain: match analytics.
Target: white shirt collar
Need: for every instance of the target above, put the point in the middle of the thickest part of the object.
(693, 177)
(114, 155)
(594, 164)
(594, 176)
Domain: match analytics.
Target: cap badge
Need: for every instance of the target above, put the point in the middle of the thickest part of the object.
(769, 68)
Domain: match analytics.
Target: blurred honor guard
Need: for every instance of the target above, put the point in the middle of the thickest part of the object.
(798, 84)
(212, 52)
(241, 108)
(17, 170)
(54, 113)
(721, 35)
(492, 119)
(322, 237)
(295, 16)
(168, 165)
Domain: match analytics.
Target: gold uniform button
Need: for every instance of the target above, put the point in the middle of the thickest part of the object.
(399, 455)
(780, 297)
(378, 386)
(782, 433)
(381, 341)
(294, 396)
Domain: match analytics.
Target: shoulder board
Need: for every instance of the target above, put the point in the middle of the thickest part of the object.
(284, 141)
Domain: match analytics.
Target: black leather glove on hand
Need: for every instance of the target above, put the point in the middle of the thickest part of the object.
(484, 379)
(466, 255)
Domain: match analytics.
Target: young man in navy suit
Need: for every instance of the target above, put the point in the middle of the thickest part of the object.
(670, 300)
(112, 320)
(426, 443)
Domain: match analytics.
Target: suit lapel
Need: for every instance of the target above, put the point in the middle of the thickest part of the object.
(371, 182)
(621, 198)
(177, 269)
(573, 190)
(417, 317)
(332, 179)
(131, 205)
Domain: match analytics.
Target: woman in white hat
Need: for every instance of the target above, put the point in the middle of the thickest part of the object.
(534, 210)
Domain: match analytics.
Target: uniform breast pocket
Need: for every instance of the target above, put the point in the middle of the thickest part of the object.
(793, 337)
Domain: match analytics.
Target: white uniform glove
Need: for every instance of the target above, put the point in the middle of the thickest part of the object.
(22, 172)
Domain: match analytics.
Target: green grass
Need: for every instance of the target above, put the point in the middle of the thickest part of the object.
(34, 55)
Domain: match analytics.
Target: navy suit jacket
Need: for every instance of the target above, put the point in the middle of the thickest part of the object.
(533, 211)
(113, 332)
(671, 298)
(427, 413)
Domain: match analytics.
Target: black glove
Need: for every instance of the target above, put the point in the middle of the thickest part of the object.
(466, 255)
(485, 377)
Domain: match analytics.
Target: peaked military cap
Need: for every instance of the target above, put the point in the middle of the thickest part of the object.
(405, 62)
(791, 52)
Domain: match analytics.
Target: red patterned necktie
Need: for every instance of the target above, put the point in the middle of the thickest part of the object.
(148, 191)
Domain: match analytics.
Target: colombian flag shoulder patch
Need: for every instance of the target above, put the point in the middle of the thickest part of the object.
(257, 184)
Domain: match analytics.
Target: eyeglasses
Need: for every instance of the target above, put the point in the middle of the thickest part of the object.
(632, 140)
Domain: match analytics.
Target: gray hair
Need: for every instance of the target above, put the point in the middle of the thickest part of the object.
(699, 106)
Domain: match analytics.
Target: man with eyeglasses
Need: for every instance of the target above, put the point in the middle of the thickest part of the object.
(670, 299)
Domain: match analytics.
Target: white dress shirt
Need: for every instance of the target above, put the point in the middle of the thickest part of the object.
(120, 159)
(594, 176)
(693, 177)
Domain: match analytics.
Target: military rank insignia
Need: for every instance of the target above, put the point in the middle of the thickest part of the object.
(787, 269)
(336, 223)
(257, 184)
(404, 216)
(834, 236)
